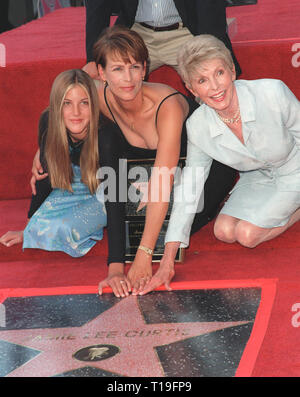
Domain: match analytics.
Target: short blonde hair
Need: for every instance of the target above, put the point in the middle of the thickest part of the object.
(198, 50)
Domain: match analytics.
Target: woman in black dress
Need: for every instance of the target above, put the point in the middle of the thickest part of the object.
(143, 120)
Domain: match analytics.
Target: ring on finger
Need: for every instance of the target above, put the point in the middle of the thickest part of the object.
(122, 282)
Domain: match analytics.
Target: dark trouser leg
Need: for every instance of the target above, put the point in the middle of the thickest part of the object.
(4, 22)
(220, 181)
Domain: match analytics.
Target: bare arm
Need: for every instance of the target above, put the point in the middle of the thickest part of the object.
(166, 270)
(169, 125)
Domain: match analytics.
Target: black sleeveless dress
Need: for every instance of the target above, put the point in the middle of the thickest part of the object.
(113, 146)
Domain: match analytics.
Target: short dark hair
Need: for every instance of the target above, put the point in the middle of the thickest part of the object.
(121, 42)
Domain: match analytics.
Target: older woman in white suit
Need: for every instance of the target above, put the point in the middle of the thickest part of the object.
(252, 126)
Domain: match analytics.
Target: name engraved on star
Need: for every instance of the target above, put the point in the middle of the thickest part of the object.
(113, 334)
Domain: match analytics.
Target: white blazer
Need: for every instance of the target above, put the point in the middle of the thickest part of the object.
(270, 115)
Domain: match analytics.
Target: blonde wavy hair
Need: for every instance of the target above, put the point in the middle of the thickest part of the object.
(57, 147)
(198, 50)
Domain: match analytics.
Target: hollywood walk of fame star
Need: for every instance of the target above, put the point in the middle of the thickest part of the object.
(122, 327)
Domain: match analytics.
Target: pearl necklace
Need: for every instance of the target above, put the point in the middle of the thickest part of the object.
(236, 118)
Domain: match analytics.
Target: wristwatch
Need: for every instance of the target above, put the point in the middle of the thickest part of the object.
(148, 251)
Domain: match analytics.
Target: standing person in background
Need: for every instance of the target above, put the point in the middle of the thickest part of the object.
(164, 25)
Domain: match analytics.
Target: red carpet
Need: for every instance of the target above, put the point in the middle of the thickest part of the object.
(267, 40)
(265, 36)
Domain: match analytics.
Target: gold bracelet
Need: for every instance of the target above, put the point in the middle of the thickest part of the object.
(148, 251)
